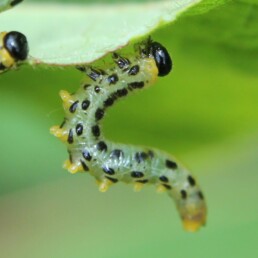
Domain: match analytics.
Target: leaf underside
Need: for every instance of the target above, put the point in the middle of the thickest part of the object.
(76, 34)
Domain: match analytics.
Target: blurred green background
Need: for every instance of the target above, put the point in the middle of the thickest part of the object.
(205, 113)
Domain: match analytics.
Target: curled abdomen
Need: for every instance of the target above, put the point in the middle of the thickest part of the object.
(111, 163)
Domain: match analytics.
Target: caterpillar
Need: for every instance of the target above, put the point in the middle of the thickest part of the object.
(13, 49)
(7, 4)
(110, 162)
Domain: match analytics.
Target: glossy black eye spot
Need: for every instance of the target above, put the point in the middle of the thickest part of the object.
(17, 45)
(162, 58)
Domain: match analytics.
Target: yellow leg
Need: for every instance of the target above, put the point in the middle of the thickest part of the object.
(137, 186)
(72, 167)
(59, 133)
(161, 189)
(67, 99)
(104, 185)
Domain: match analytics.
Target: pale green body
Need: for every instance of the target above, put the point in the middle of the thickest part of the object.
(153, 166)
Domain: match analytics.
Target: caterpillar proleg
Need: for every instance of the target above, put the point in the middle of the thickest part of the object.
(110, 162)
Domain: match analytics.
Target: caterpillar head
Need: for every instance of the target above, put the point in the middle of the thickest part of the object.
(159, 53)
(17, 45)
(161, 57)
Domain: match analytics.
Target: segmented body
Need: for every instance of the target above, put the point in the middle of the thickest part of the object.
(13, 50)
(110, 162)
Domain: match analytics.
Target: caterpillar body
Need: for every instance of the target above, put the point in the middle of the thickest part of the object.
(110, 162)
(13, 50)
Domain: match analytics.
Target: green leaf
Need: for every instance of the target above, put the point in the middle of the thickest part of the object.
(227, 34)
(234, 24)
(75, 34)
(4, 5)
(205, 6)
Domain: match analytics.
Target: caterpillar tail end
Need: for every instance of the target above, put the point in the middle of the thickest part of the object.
(194, 220)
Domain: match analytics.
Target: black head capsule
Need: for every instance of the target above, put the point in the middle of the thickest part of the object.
(17, 45)
(162, 58)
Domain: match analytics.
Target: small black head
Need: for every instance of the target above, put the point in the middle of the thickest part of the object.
(162, 58)
(17, 45)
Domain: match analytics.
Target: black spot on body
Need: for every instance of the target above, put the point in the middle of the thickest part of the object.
(70, 156)
(95, 130)
(163, 179)
(200, 194)
(81, 68)
(121, 92)
(183, 194)
(141, 156)
(113, 180)
(85, 104)
(167, 186)
(84, 166)
(134, 70)
(191, 180)
(101, 146)
(86, 155)
(99, 114)
(97, 89)
(73, 107)
(121, 61)
(85, 86)
(70, 137)
(112, 79)
(95, 74)
(171, 164)
(115, 55)
(135, 85)
(109, 171)
(79, 129)
(109, 101)
(116, 153)
(144, 181)
(63, 123)
(137, 174)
